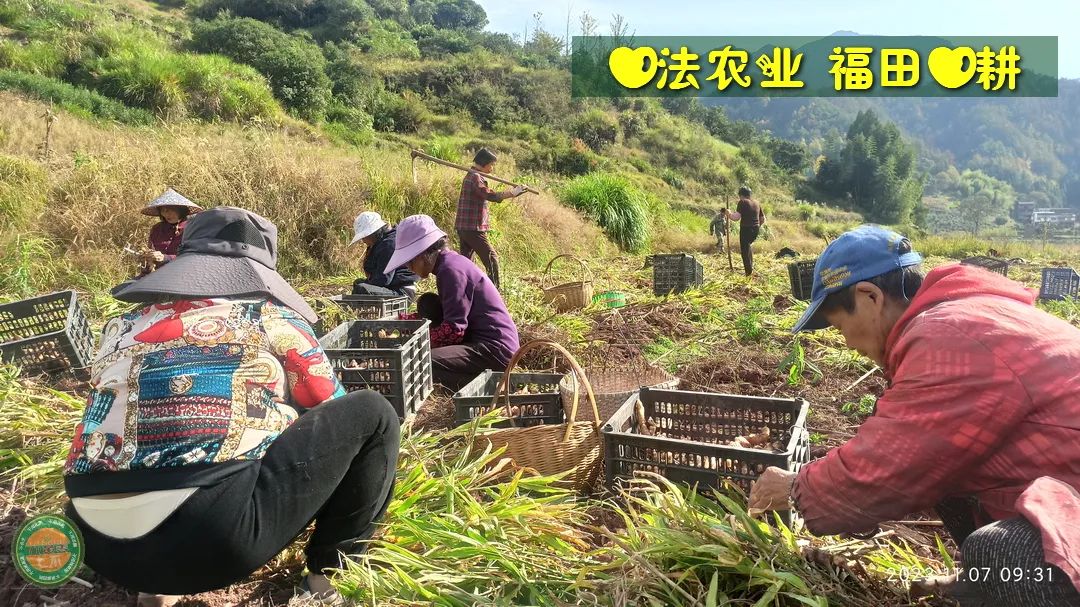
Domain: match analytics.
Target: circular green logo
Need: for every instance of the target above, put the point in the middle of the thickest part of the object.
(47, 550)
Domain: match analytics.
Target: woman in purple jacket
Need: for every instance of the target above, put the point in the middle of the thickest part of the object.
(476, 332)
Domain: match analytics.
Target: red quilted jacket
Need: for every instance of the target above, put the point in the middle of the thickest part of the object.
(983, 399)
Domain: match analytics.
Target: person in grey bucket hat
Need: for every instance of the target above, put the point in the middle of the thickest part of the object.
(216, 429)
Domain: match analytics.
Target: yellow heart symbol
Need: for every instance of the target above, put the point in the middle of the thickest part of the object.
(632, 68)
(946, 66)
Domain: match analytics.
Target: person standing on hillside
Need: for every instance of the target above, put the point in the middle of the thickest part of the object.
(472, 222)
(719, 228)
(978, 421)
(751, 218)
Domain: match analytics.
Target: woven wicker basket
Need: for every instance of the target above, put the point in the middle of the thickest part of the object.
(612, 386)
(570, 295)
(572, 447)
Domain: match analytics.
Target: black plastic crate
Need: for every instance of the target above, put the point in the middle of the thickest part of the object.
(46, 334)
(676, 273)
(341, 308)
(1001, 266)
(1059, 283)
(801, 275)
(542, 406)
(392, 357)
(688, 432)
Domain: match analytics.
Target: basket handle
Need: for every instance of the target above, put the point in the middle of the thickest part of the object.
(504, 384)
(585, 274)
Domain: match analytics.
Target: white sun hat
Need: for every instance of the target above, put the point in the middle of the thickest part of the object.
(366, 224)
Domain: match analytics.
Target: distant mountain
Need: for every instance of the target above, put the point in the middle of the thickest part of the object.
(1032, 143)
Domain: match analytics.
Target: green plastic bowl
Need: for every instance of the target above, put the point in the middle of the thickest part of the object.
(610, 299)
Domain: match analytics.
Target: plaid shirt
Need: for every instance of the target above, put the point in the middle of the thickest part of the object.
(472, 206)
(983, 399)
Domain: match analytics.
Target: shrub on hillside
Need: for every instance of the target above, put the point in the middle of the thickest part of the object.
(77, 100)
(295, 68)
(434, 42)
(486, 102)
(542, 95)
(176, 85)
(444, 148)
(615, 204)
(333, 18)
(632, 123)
(459, 14)
(675, 144)
(565, 158)
(386, 39)
(179, 84)
(404, 113)
(352, 82)
(596, 129)
(350, 124)
(673, 179)
(36, 57)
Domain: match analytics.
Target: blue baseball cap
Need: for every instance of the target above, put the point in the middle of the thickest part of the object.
(857, 255)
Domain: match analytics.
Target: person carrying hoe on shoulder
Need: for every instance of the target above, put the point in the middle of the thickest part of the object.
(472, 221)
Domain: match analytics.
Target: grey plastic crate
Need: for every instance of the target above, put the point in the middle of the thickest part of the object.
(46, 334)
(1059, 283)
(801, 275)
(676, 273)
(1000, 266)
(398, 367)
(542, 407)
(687, 444)
(358, 307)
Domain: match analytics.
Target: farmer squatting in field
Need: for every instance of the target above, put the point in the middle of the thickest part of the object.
(476, 331)
(191, 467)
(379, 238)
(979, 420)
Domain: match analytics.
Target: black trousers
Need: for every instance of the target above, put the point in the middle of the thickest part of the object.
(477, 242)
(335, 465)
(455, 366)
(994, 553)
(747, 236)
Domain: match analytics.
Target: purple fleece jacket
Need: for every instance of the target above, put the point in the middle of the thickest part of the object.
(471, 304)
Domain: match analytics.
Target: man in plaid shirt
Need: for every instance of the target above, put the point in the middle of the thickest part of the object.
(979, 421)
(472, 212)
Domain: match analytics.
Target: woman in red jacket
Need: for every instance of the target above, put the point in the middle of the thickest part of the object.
(164, 241)
(978, 421)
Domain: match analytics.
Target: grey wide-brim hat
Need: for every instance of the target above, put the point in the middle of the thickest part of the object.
(171, 198)
(224, 252)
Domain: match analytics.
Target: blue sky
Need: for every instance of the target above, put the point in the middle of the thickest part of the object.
(810, 18)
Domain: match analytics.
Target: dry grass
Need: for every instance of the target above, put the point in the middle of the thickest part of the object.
(100, 175)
